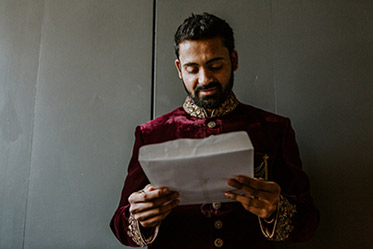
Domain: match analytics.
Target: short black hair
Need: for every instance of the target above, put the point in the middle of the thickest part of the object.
(202, 27)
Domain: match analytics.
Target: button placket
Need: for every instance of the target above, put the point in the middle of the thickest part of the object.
(211, 124)
(218, 242)
(216, 205)
(218, 224)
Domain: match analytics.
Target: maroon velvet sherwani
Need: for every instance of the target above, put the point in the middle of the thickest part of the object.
(225, 225)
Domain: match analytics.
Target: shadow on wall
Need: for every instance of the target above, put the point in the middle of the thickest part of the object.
(332, 106)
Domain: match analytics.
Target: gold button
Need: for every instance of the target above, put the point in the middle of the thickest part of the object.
(218, 224)
(211, 124)
(216, 205)
(218, 242)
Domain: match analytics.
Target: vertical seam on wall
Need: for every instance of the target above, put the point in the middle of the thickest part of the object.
(33, 128)
(273, 57)
(153, 81)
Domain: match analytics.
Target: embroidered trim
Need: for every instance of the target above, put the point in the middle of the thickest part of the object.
(283, 222)
(228, 105)
(262, 170)
(135, 234)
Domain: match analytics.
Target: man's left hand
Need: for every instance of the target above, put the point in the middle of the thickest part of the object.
(263, 196)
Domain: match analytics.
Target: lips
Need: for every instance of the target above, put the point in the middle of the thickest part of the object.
(209, 91)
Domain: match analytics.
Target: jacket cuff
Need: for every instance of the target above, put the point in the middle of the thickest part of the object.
(279, 228)
(137, 236)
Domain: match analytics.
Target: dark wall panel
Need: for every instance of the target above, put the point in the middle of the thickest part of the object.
(323, 60)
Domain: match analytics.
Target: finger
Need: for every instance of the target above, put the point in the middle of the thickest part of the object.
(259, 184)
(147, 194)
(257, 187)
(252, 191)
(245, 200)
(258, 207)
(152, 222)
(142, 206)
(149, 187)
(158, 211)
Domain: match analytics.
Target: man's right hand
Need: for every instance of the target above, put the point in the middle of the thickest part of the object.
(151, 205)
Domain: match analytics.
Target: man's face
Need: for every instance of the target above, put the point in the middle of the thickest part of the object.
(206, 69)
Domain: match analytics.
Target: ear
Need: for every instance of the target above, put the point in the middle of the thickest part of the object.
(234, 59)
(178, 66)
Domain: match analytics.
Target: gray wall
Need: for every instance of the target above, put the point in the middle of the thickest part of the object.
(75, 81)
(76, 78)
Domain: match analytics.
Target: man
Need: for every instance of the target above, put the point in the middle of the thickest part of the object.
(280, 207)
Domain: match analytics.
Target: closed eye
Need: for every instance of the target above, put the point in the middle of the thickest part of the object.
(216, 67)
(191, 69)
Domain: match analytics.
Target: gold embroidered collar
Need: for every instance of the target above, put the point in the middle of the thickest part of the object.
(226, 107)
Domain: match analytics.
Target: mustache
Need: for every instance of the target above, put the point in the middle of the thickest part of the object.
(204, 87)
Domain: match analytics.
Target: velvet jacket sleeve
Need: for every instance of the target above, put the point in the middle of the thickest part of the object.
(135, 181)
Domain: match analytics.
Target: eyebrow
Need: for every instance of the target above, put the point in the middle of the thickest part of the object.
(208, 62)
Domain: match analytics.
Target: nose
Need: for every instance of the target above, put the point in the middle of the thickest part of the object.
(204, 77)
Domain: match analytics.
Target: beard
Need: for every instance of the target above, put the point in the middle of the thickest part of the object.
(212, 101)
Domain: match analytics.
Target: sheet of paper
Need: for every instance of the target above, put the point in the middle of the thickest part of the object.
(198, 168)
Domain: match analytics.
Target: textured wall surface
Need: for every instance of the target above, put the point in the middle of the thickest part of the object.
(76, 78)
(75, 81)
(323, 55)
(20, 27)
(94, 65)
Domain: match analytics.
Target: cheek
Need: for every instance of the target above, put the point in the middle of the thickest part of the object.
(224, 79)
(189, 83)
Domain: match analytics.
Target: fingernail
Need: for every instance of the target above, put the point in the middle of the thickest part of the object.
(227, 194)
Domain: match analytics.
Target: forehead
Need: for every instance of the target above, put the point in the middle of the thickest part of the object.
(202, 50)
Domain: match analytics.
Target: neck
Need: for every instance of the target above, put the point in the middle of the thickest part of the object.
(209, 111)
